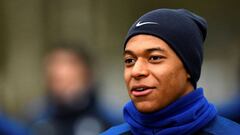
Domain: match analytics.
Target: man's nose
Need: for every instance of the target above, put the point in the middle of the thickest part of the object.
(140, 69)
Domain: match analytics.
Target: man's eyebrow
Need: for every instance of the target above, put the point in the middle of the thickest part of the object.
(155, 49)
(149, 50)
(128, 52)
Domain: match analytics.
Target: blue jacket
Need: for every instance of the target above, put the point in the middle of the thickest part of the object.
(218, 126)
(9, 127)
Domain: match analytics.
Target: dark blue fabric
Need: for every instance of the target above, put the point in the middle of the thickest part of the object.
(221, 126)
(8, 127)
(218, 126)
(185, 116)
(231, 108)
(117, 130)
(182, 30)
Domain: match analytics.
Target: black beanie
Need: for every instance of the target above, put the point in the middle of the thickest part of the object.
(181, 29)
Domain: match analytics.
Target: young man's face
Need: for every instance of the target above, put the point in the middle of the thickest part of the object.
(154, 75)
(66, 75)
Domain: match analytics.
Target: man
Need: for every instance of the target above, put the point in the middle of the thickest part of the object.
(163, 54)
(71, 106)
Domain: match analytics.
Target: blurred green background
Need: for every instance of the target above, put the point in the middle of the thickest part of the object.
(29, 27)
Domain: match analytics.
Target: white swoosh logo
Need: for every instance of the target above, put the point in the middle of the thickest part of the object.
(144, 23)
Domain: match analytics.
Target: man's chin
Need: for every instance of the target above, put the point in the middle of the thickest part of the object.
(146, 107)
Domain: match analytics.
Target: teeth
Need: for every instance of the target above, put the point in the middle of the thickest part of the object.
(140, 89)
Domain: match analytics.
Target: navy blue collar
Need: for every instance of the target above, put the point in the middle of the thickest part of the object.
(185, 116)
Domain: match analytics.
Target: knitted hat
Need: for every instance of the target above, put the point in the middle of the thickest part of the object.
(181, 29)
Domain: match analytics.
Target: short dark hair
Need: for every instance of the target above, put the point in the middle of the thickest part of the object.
(75, 48)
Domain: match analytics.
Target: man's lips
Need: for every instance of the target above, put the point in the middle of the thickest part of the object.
(141, 90)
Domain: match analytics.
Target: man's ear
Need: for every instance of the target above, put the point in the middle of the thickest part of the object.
(188, 76)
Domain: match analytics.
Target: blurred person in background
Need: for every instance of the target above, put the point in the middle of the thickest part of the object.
(163, 55)
(70, 107)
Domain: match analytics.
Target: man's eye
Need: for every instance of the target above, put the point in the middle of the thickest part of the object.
(155, 58)
(129, 61)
